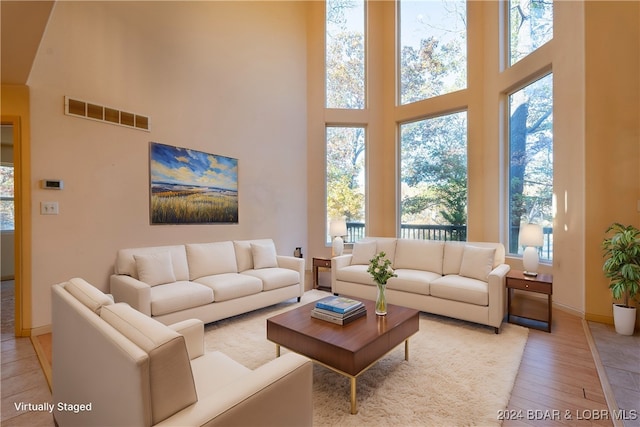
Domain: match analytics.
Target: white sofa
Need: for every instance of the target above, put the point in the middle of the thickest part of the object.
(206, 281)
(464, 280)
(114, 366)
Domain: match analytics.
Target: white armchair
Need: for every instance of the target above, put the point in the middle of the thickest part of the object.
(118, 366)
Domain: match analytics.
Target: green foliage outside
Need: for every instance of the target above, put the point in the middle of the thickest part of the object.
(434, 150)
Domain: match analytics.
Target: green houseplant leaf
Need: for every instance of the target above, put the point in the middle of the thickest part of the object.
(621, 248)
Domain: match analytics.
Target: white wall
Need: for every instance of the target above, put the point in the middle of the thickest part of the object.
(227, 78)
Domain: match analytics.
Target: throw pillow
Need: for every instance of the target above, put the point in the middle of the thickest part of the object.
(244, 257)
(264, 256)
(155, 269)
(363, 252)
(477, 262)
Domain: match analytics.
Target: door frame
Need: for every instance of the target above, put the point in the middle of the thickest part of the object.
(22, 231)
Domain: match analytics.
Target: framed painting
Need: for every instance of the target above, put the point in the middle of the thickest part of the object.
(191, 187)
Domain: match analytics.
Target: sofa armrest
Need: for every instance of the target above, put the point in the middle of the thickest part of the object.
(341, 261)
(193, 332)
(278, 393)
(338, 262)
(132, 291)
(497, 291)
(293, 263)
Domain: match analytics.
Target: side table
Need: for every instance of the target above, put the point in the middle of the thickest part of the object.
(542, 283)
(319, 263)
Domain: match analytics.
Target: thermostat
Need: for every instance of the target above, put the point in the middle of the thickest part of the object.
(52, 184)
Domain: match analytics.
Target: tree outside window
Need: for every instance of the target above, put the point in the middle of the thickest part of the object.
(434, 178)
(345, 54)
(531, 162)
(530, 26)
(433, 48)
(7, 214)
(346, 179)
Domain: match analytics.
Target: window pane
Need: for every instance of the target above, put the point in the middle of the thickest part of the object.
(531, 162)
(434, 178)
(6, 198)
(345, 55)
(433, 48)
(531, 26)
(346, 179)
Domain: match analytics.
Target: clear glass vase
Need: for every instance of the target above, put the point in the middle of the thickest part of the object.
(381, 301)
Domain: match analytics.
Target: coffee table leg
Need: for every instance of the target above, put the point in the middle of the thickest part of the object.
(277, 350)
(354, 409)
(406, 349)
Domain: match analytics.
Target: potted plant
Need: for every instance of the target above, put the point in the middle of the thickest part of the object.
(622, 267)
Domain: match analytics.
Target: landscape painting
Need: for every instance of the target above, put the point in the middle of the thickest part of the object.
(192, 187)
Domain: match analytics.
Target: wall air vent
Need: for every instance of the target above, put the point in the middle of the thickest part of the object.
(91, 111)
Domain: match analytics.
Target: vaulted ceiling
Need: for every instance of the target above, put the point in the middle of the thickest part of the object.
(22, 26)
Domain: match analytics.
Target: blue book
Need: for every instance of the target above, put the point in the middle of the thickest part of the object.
(339, 304)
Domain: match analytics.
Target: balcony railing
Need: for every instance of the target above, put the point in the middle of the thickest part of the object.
(356, 231)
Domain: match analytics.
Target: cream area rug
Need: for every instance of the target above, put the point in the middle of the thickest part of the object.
(458, 373)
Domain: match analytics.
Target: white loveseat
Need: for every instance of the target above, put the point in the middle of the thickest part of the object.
(206, 281)
(464, 280)
(114, 366)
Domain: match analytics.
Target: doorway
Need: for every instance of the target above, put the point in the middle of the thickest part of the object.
(14, 218)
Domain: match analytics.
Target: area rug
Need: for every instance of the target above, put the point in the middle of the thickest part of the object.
(458, 373)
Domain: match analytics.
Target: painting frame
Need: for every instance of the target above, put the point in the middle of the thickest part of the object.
(188, 186)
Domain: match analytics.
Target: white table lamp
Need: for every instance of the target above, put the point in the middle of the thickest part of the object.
(531, 238)
(337, 229)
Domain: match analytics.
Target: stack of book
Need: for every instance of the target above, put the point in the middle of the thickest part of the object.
(338, 310)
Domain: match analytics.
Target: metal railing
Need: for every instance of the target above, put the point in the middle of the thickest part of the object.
(356, 231)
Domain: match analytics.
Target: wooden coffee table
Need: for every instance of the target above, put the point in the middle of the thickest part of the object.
(350, 349)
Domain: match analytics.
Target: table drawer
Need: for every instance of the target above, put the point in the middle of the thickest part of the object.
(322, 263)
(529, 285)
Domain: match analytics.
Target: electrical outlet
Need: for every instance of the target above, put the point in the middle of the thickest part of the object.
(48, 208)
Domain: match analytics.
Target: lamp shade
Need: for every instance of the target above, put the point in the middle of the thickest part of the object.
(530, 235)
(338, 227)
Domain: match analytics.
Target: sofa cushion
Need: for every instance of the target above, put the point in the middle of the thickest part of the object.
(274, 278)
(264, 255)
(463, 289)
(477, 262)
(419, 255)
(229, 286)
(92, 297)
(171, 381)
(176, 296)
(214, 372)
(355, 273)
(126, 262)
(414, 281)
(155, 268)
(206, 259)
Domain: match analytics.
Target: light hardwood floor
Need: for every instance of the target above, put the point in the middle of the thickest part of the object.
(557, 377)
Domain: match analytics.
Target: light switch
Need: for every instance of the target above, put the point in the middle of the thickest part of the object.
(48, 208)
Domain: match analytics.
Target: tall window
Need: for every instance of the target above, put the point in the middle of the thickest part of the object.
(434, 178)
(346, 179)
(433, 48)
(345, 54)
(530, 26)
(531, 162)
(6, 198)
